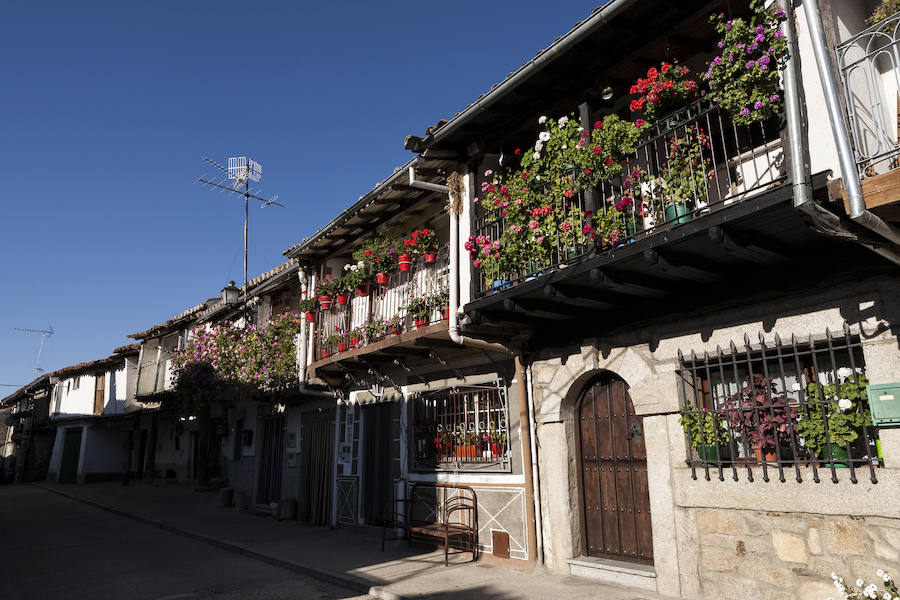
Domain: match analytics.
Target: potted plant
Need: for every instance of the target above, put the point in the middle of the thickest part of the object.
(663, 91)
(743, 77)
(466, 447)
(686, 174)
(706, 432)
(420, 309)
(374, 330)
(310, 306)
(844, 406)
(325, 289)
(356, 336)
(356, 279)
(334, 341)
(424, 242)
(763, 418)
(440, 302)
(394, 325)
(380, 255)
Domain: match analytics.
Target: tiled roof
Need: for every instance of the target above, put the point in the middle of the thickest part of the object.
(94, 365)
(128, 349)
(162, 327)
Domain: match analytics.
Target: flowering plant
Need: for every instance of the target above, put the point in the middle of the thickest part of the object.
(743, 77)
(422, 240)
(328, 286)
(863, 590)
(394, 324)
(843, 404)
(378, 254)
(439, 300)
(355, 274)
(310, 304)
(419, 308)
(664, 90)
(688, 169)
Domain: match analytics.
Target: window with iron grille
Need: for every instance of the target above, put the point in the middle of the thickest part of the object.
(795, 409)
(461, 428)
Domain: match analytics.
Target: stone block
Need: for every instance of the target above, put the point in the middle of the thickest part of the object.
(814, 542)
(843, 537)
(738, 588)
(789, 547)
(718, 559)
(768, 574)
(816, 590)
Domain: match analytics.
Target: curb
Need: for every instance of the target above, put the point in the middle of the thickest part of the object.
(349, 582)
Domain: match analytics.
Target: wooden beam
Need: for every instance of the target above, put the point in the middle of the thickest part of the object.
(678, 269)
(756, 252)
(543, 310)
(625, 285)
(553, 292)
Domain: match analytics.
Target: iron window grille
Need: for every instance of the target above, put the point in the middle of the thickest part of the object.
(798, 407)
(461, 428)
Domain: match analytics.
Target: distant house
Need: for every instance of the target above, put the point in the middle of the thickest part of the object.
(28, 436)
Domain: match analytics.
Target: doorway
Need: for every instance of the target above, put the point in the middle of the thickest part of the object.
(317, 460)
(68, 470)
(377, 480)
(613, 474)
(270, 460)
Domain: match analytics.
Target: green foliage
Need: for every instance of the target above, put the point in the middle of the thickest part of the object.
(309, 304)
(883, 11)
(379, 254)
(419, 308)
(703, 428)
(439, 299)
(688, 169)
(664, 90)
(743, 77)
(844, 405)
(355, 274)
(328, 286)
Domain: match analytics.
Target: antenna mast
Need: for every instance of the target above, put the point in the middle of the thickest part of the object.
(241, 170)
(45, 333)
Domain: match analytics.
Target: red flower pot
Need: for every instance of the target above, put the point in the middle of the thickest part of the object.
(445, 313)
(430, 257)
(381, 278)
(342, 346)
(397, 331)
(323, 352)
(325, 302)
(354, 342)
(310, 316)
(420, 323)
(496, 449)
(342, 299)
(405, 262)
(363, 289)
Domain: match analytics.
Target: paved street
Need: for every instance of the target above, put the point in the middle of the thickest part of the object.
(55, 547)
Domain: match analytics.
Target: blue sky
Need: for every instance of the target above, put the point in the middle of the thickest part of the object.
(106, 109)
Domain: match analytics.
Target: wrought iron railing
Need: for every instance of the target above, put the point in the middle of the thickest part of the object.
(869, 63)
(382, 304)
(736, 162)
(793, 409)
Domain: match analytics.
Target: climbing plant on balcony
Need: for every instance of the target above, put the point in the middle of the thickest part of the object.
(743, 76)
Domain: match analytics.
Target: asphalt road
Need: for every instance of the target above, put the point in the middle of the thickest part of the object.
(54, 547)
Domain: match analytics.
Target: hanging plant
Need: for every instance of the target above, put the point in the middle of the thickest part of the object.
(743, 78)
(663, 91)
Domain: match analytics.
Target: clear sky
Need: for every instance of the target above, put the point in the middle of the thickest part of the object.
(106, 109)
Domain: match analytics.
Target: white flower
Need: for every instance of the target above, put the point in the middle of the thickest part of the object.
(845, 372)
(347, 267)
(844, 404)
(581, 129)
(361, 264)
(536, 156)
(795, 387)
(860, 583)
(538, 146)
(544, 136)
(886, 577)
(353, 267)
(880, 573)
(834, 575)
(564, 146)
(563, 121)
(542, 120)
(887, 596)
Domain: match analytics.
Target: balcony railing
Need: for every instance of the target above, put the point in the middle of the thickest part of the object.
(384, 303)
(735, 162)
(869, 63)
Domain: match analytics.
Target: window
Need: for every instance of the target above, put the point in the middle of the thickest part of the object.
(461, 427)
(76, 381)
(793, 410)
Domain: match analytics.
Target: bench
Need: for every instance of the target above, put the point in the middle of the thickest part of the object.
(443, 511)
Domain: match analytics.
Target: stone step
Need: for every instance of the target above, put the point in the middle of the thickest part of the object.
(614, 572)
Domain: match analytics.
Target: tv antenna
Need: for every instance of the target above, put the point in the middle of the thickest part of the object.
(241, 171)
(45, 333)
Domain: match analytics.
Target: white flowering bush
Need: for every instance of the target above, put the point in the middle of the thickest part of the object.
(843, 403)
(867, 590)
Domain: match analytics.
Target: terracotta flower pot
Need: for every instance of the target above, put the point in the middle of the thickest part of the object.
(342, 299)
(381, 278)
(420, 323)
(430, 257)
(310, 316)
(363, 289)
(445, 313)
(769, 457)
(405, 262)
(325, 302)
(466, 451)
(354, 342)
(323, 352)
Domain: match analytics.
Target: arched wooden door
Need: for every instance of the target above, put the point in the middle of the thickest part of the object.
(615, 496)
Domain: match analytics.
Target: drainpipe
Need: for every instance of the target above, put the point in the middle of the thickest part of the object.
(521, 387)
(302, 343)
(858, 212)
(535, 469)
(800, 177)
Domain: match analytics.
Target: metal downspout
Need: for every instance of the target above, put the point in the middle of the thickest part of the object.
(858, 212)
(302, 343)
(535, 470)
(793, 108)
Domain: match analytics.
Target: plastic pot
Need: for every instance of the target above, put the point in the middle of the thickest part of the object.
(381, 278)
(310, 316)
(430, 257)
(404, 261)
(325, 302)
(679, 213)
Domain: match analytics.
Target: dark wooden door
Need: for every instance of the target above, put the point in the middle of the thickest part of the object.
(99, 395)
(271, 467)
(615, 495)
(377, 478)
(68, 469)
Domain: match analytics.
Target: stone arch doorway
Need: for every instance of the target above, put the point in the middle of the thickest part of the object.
(612, 460)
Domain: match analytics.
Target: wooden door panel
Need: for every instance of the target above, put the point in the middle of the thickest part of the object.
(615, 493)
